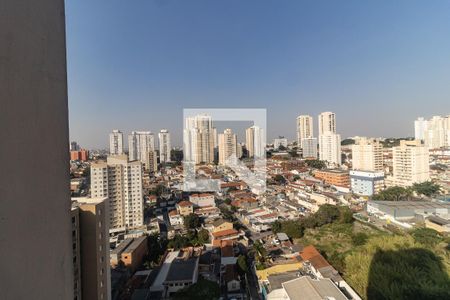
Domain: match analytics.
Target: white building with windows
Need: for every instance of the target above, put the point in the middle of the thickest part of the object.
(164, 145)
(366, 183)
(227, 146)
(435, 132)
(330, 148)
(140, 143)
(281, 141)
(410, 163)
(309, 146)
(367, 155)
(116, 142)
(255, 142)
(327, 123)
(305, 128)
(121, 182)
(199, 139)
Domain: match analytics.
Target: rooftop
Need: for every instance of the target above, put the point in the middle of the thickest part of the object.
(413, 204)
(224, 233)
(135, 244)
(182, 270)
(185, 203)
(305, 288)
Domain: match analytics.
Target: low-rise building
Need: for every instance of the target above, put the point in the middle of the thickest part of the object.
(334, 177)
(202, 200)
(366, 183)
(134, 254)
(306, 288)
(175, 218)
(221, 225)
(185, 208)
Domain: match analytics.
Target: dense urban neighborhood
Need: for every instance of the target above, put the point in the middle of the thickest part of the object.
(339, 223)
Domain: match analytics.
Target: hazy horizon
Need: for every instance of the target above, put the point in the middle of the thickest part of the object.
(135, 66)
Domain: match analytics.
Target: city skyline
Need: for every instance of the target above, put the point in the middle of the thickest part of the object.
(153, 60)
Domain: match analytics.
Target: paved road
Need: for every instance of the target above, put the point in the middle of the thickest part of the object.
(252, 281)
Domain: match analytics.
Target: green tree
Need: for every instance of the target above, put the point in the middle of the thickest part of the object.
(316, 164)
(326, 214)
(191, 221)
(293, 229)
(345, 215)
(276, 227)
(203, 236)
(227, 201)
(178, 242)
(395, 193)
(427, 188)
(280, 179)
(158, 190)
(348, 142)
(203, 289)
(242, 264)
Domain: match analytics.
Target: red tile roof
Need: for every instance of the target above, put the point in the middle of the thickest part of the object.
(311, 254)
(224, 233)
(185, 203)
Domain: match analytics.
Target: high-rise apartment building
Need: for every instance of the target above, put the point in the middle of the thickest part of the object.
(367, 155)
(420, 128)
(82, 155)
(227, 146)
(140, 143)
(239, 150)
(305, 128)
(410, 163)
(329, 141)
(76, 257)
(164, 145)
(90, 236)
(116, 142)
(121, 182)
(435, 132)
(330, 148)
(327, 123)
(199, 139)
(35, 239)
(254, 142)
(74, 146)
(309, 146)
(152, 161)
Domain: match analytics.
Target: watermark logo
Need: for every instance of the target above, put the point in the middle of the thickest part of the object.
(200, 143)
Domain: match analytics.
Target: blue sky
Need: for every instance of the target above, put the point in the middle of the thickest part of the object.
(134, 65)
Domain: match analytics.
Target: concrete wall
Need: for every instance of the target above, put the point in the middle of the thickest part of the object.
(35, 224)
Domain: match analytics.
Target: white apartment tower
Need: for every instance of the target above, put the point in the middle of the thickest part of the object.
(435, 132)
(367, 155)
(329, 141)
(140, 143)
(254, 142)
(199, 139)
(120, 181)
(116, 142)
(164, 145)
(309, 147)
(410, 163)
(330, 148)
(305, 128)
(327, 123)
(227, 146)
